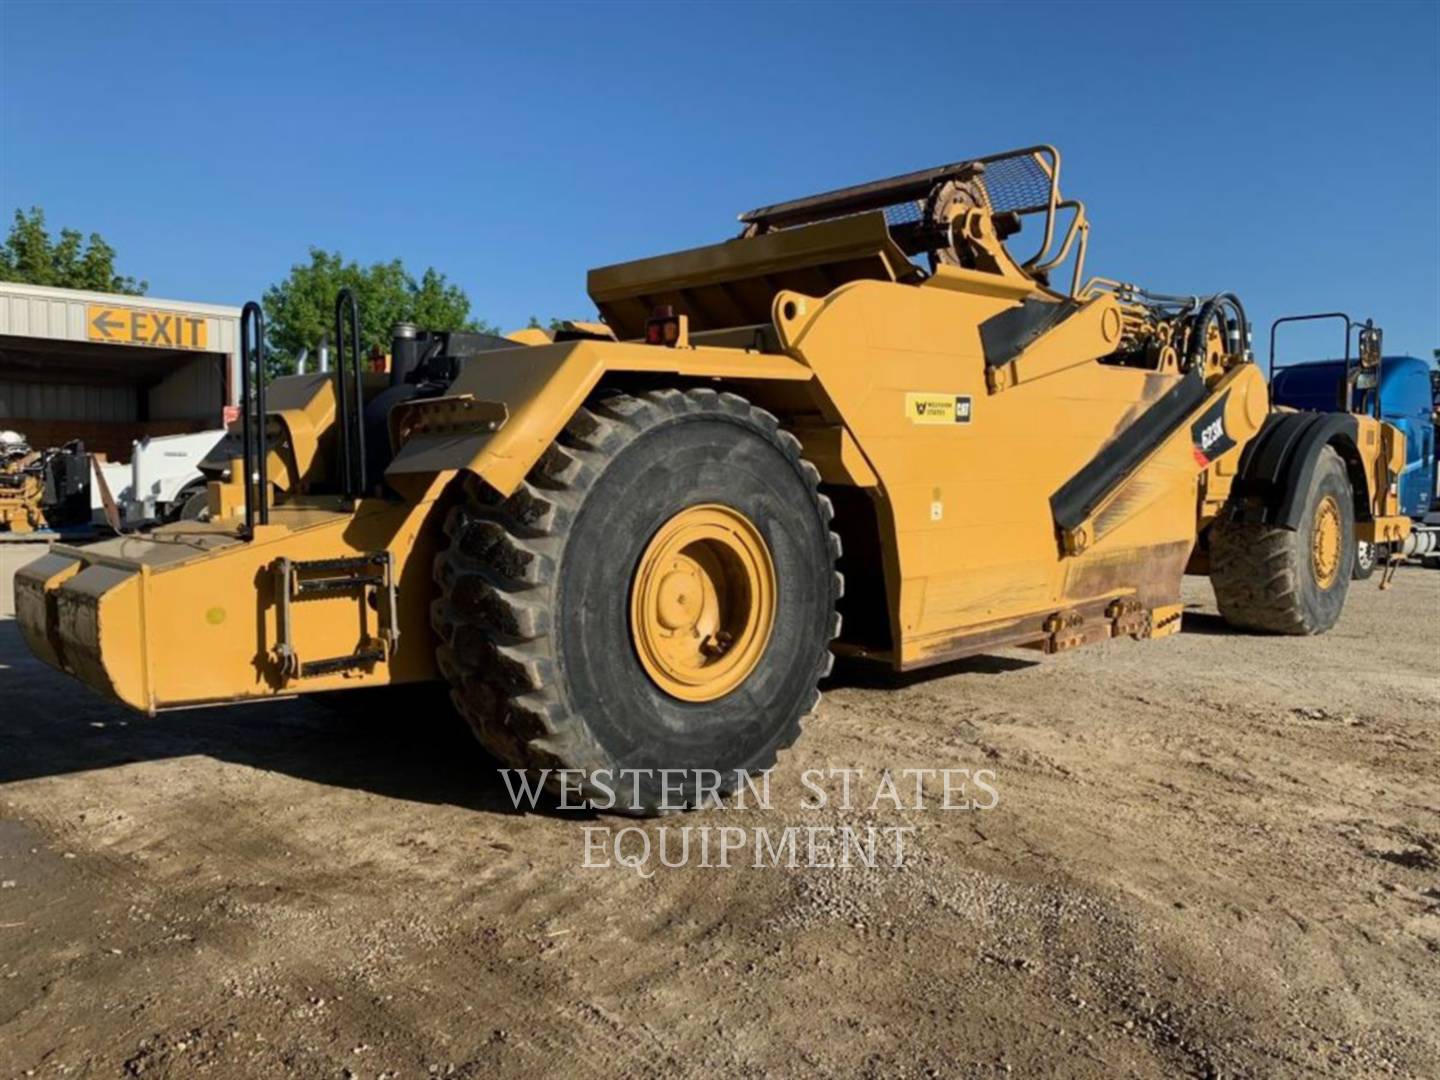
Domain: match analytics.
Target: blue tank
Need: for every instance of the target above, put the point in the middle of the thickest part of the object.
(1406, 400)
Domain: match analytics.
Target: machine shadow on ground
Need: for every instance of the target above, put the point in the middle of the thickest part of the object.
(868, 675)
(421, 752)
(401, 744)
(1209, 624)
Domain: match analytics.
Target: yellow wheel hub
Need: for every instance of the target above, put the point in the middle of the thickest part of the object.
(702, 604)
(1325, 542)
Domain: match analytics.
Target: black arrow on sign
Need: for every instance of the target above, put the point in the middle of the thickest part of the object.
(104, 323)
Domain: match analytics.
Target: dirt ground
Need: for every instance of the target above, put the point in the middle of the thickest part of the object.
(1213, 855)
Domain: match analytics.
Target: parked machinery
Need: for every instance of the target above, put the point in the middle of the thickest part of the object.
(162, 481)
(22, 485)
(631, 548)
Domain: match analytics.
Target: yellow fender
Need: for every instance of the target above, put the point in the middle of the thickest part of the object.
(520, 399)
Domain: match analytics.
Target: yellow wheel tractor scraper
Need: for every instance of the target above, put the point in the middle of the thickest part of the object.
(868, 426)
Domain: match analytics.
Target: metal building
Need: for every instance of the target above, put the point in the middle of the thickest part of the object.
(110, 369)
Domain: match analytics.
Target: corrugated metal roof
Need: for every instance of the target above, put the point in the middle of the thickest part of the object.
(126, 333)
(52, 292)
(55, 314)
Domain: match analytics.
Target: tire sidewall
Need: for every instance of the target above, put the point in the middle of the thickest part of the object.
(189, 504)
(1322, 606)
(683, 462)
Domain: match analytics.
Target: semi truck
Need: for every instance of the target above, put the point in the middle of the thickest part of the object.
(1403, 391)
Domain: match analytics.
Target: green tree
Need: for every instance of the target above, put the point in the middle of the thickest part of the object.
(30, 255)
(300, 310)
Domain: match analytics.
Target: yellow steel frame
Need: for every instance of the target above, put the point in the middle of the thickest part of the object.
(887, 386)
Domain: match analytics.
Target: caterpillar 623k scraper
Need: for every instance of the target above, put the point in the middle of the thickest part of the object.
(870, 426)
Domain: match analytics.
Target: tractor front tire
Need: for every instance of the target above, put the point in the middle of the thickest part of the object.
(658, 594)
(1290, 581)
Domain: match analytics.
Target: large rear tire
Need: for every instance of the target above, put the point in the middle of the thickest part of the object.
(1284, 581)
(653, 521)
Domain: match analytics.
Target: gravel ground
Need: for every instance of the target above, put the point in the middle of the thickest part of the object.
(1213, 855)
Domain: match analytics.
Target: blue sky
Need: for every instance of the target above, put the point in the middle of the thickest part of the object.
(1286, 152)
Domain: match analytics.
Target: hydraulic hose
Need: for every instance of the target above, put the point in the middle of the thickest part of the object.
(1199, 328)
(1168, 298)
(1235, 330)
(1239, 340)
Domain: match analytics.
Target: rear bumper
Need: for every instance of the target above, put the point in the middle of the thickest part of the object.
(84, 616)
(195, 616)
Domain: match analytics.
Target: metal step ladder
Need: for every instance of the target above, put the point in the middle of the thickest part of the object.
(370, 578)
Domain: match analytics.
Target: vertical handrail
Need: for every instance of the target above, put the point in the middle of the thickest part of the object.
(352, 450)
(342, 400)
(246, 452)
(1053, 203)
(361, 483)
(1274, 326)
(255, 443)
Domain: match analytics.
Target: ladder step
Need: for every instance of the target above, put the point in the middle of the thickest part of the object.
(358, 659)
(335, 586)
(356, 562)
(355, 577)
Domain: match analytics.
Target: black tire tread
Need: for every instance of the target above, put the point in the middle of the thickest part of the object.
(497, 572)
(1255, 570)
(1257, 584)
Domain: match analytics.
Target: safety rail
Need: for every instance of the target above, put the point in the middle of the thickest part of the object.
(1369, 337)
(255, 450)
(351, 413)
(1019, 182)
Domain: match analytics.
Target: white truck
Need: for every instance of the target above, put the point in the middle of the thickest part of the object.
(161, 482)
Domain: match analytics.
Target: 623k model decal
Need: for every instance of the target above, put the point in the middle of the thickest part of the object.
(1208, 436)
